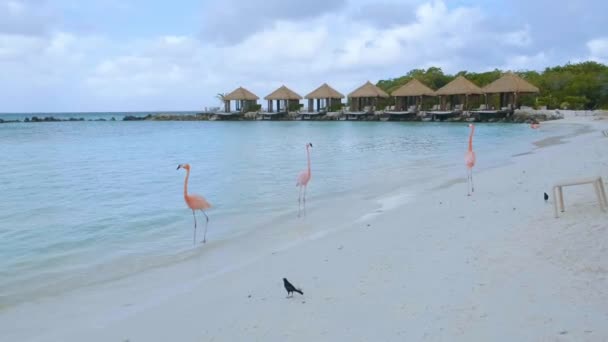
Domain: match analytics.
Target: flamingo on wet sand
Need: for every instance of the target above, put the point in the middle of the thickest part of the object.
(469, 160)
(195, 202)
(302, 182)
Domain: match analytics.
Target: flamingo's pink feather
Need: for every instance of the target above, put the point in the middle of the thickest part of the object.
(303, 178)
(469, 159)
(196, 202)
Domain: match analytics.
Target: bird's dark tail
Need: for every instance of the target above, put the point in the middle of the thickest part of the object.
(298, 291)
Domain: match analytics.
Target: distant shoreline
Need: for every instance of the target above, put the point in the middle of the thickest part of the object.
(517, 116)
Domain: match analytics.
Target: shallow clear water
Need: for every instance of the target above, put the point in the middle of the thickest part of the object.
(74, 195)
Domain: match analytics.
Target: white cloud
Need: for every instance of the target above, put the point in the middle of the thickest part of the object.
(598, 49)
(179, 71)
(13, 47)
(15, 7)
(525, 62)
(303, 54)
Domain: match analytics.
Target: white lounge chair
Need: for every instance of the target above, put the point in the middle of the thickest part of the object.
(598, 185)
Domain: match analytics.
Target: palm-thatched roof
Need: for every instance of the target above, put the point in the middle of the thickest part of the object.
(368, 90)
(239, 94)
(324, 92)
(414, 88)
(459, 86)
(510, 83)
(283, 93)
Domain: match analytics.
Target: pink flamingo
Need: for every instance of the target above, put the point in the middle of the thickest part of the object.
(469, 160)
(195, 202)
(302, 182)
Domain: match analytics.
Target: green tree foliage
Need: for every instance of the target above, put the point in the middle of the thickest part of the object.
(576, 86)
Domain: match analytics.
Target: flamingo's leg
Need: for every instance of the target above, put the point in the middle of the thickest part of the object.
(472, 186)
(299, 200)
(468, 182)
(194, 238)
(305, 187)
(206, 224)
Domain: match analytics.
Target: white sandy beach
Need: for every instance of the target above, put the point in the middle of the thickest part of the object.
(438, 266)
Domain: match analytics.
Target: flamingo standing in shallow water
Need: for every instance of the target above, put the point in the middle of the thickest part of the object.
(469, 160)
(302, 182)
(195, 202)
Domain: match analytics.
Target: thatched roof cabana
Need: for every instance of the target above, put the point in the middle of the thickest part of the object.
(368, 90)
(326, 94)
(241, 94)
(283, 93)
(411, 93)
(366, 95)
(455, 89)
(290, 99)
(509, 86)
(244, 100)
(459, 86)
(413, 88)
(510, 83)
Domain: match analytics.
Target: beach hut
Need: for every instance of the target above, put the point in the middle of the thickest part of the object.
(408, 100)
(509, 87)
(363, 100)
(286, 99)
(326, 98)
(244, 101)
(458, 89)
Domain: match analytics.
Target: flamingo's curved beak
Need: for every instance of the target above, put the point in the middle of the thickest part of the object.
(178, 166)
(310, 144)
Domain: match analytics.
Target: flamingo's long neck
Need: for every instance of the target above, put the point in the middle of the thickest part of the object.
(308, 158)
(186, 183)
(471, 139)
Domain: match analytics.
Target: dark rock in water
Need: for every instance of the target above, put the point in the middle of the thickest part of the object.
(26, 120)
(113, 119)
(135, 118)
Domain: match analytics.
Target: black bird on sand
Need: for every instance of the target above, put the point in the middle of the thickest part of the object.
(546, 197)
(290, 288)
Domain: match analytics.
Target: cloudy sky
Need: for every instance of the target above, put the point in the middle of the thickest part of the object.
(128, 55)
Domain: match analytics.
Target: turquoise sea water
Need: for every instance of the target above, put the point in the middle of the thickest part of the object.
(78, 198)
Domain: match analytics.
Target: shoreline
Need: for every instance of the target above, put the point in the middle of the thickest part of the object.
(518, 116)
(395, 256)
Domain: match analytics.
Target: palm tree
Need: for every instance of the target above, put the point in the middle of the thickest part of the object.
(221, 97)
